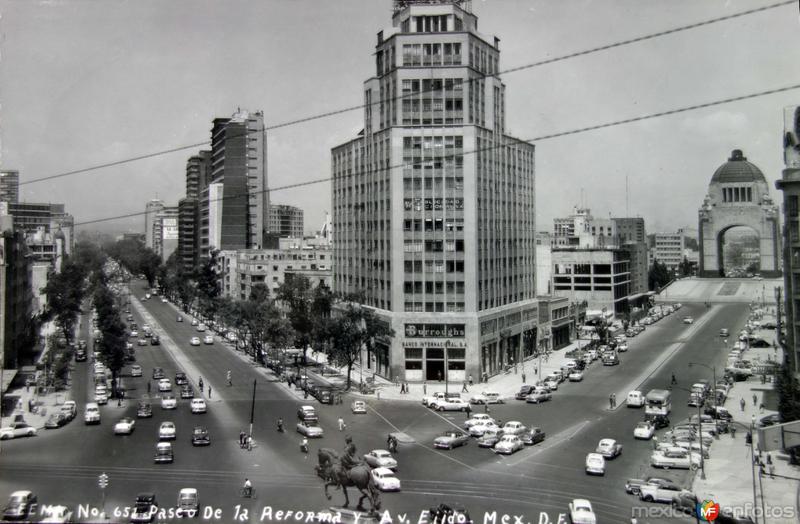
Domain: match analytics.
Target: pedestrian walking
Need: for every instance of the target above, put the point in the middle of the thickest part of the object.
(464, 388)
(771, 468)
(209, 392)
(769, 459)
(471, 383)
(523, 377)
(611, 401)
(403, 388)
(742, 403)
(468, 411)
(535, 370)
(614, 399)
(486, 408)
(241, 439)
(341, 424)
(230, 382)
(200, 384)
(424, 388)
(733, 431)
(755, 399)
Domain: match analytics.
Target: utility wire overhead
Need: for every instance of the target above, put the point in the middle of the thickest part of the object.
(480, 76)
(576, 131)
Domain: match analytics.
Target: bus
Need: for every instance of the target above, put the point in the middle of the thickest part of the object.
(658, 402)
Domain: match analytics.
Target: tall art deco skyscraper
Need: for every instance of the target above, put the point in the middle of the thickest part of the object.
(434, 203)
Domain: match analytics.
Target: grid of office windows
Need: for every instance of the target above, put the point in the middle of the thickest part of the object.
(432, 101)
(434, 54)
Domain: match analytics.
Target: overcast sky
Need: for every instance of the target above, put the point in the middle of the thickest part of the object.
(89, 82)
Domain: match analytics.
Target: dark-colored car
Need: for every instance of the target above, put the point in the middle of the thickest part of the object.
(200, 436)
(633, 486)
(534, 436)
(143, 508)
(324, 394)
(158, 373)
(307, 414)
(80, 355)
(659, 421)
(180, 378)
(187, 391)
(145, 410)
(523, 392)
(22, 506)
(155, 341)
(451, 439)
(56, 420)
(769, 420)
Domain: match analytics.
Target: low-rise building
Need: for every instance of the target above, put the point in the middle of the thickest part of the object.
(600, 277)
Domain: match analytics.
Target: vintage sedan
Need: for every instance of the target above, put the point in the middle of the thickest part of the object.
(18, 429)
(452, 404)
(359, 407)
(166, 431)
(56, 420)
(168, 401)
(450, 439)
(208, 339)
(487, 397)
(534, 436)
(136, 370)
(22, 506)
(609, 448)
(200, 436)
(644, 430)
(477, 430)
(165, 384)
(581, 512)
(380, 458)
(575, 376)
(538, 396)
(194, 341)
(514, 427)
(187, 391)
(551, 383)
(490, 438)
(385, 479)
(478, 418)
(164, 453)
(198, 405)
(125, 426)
(144, 410)
(508, 444)
(676, 457)
(310, 429)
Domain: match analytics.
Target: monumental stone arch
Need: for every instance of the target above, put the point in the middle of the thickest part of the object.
(738, 195)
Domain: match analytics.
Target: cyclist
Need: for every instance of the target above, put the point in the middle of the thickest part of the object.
(304, 445)
(674, 380)
(230, 382)
(247, 490)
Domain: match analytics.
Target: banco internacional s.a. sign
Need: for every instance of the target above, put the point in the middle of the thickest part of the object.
(435, 331)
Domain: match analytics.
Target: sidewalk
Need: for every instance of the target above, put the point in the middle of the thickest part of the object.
(730, 472)
(507, 384)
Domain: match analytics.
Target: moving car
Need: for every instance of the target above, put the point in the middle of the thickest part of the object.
(610, 359)
(125, 426)
(208, 339)
(164, 453)
(195, 322)
(688, 320)
(487, 397)
(514, 427)
(533, 436)
(136, 370)
(523, 392)
(168, 401)
(142, 342)
(155, 341)
(635, 399)
(477, 430)
(307, 413)
(188, 503)
(538, 395)
(145, 410)
(91, 413)
(451, 404)
(179, 318)
(165, 384)
(490, 437)
(634, 486)
(659, 421)
(581, 512)
(310, 429)
(660, 492)
(56, 420)
(158, 373)
(358, 407)
(195, 341)
(22, 506)
(198, 405)
(69, 409)
(595, 464)
(450, 439)
(380, 458)
(187, 391)
(201, 327)
(609, 448)
(644, 430)
(200, 436)
(675, 457)
(576, 376)
(477, 418)
(385, 479)
(180, 378)
(166, 431)
(508, 444)
(144, 508)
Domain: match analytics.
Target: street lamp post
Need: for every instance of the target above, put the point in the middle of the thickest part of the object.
(714, 372)
(753, 460)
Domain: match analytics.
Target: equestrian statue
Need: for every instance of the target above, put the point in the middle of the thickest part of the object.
(348, 471)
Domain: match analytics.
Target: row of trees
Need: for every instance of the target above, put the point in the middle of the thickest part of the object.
(114, 336)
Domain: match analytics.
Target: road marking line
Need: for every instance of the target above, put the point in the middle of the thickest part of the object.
(557, 439)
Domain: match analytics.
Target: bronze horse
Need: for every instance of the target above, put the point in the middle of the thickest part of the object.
(331, 471)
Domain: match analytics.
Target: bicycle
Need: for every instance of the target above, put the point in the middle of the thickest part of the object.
(248, 494)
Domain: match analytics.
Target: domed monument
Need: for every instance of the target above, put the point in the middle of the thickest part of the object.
(738, 195)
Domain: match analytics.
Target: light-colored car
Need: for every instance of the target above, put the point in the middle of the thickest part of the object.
(487, 397)
(164, 453)
(551, 384)
(514, 427)
(56, 515)
(609, 448)
(452, 404)
(359, 407)
(508, 444)
(538, 395)
(136, 370)
(134, 334)
(70, 409)
(195, 341)
(195, 322)
(622, 347)
(208, 339)
(635, 399)
(142, 342)
(201, 327)
(19, 429)
(581, 512)
(675, 457)
(310, 429)
(125, 426)
(166, 431)
(380, 458)
(595, 464)
(659, 492)
(385, 479)
(688, 320)
(644, 430)
(188, 503)
(198, 405)
(164, 300)
(165, 384)
(450, 439)
(478, 418)
(575, 376)
(91, 413)
(168, 401)
(477, 430)
(490, 438)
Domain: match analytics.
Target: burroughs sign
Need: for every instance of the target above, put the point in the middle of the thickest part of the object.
(434, 330)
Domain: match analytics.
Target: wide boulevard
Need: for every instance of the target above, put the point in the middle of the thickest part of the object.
(535, 484)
